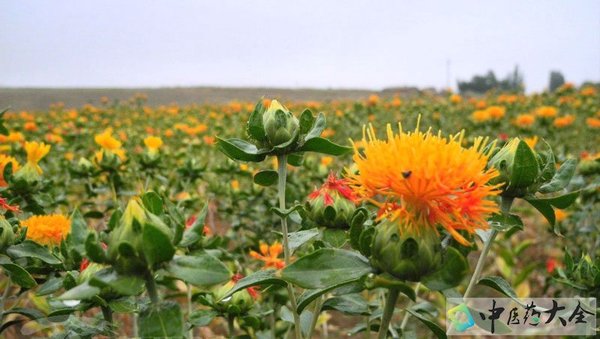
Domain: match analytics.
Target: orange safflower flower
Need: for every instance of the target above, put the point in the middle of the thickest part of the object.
(546, 112)
(524, 120)
(47, 229)
(565, 121)
(427, 179)
(269, 254)
(593, 122)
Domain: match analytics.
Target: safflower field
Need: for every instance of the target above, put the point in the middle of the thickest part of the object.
(277, 219)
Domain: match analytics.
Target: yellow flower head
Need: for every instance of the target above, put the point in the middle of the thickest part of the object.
(47, 229)
(5, 160)
(496, 112)
(564, 121)
(35, 152)
(546, 112)
(524, 120)
(107, 141)
(153, 143)
(426, 180)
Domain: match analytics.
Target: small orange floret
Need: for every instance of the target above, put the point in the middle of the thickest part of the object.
(269, 254)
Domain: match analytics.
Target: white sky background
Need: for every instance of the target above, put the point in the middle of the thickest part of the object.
(309, 43)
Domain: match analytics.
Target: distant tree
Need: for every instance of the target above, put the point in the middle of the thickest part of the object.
(513, 82)
(556, 80)
(480, 84)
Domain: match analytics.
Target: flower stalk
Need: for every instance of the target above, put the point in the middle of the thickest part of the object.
(282, 174)
(506, 203)
(388, 312)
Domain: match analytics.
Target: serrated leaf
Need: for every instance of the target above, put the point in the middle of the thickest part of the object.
(161, 321)
(256, 130)
(306, 121)
(561, 179)
(317, 127)
(153, 202)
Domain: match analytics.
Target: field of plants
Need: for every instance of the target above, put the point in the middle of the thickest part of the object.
(277, 219)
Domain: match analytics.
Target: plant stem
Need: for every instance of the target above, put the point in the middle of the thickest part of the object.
(151, 287)
(230, 325)
(108, 317)
(282, 174)
(189, 302)
(505, 205)
(407, 315)
(316, 312)
(388, 312)
(4, 296)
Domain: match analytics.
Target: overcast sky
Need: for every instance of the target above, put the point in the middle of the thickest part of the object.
(316, 43)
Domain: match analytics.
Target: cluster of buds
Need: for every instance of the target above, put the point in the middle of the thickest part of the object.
(7, 234)
(333, 204)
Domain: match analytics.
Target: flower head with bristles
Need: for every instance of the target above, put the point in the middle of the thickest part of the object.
(422, 180)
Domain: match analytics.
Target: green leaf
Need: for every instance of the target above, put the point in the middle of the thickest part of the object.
(545, 208)
(238, 149)
(259, 278)
(157, 245)
(80, 292)
(195, 232)
(335, 237)
(202, 318)
(30, 249)
(122, 284)
(295, 159)
(51, 285)
(505, 222)
(561, 179)
(297, 239)
(317, 127)
(307, 120)
(365, 241)
(79, 231)
(435, 328)
(352, 304)
(93, 249)
(94, 215)
(322, 145)
(284, 213)
(161, 321)
(124, 305)
(310, 295)
(562, 201)
(200, 269)
(266, 177)
(326, 267)
(17, 273)
(453, 270)
(153, 202)
(525, 167)
(255, 128)
(500, 285)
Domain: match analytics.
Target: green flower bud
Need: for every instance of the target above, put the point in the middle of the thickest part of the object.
(7, 235)
(28, 175)
(589, 167)
(333, 204)
(279, 123)
(88, 272)
(518, 166)
(236, 304)
(84, 165)
(405, 254)
(128, 236)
